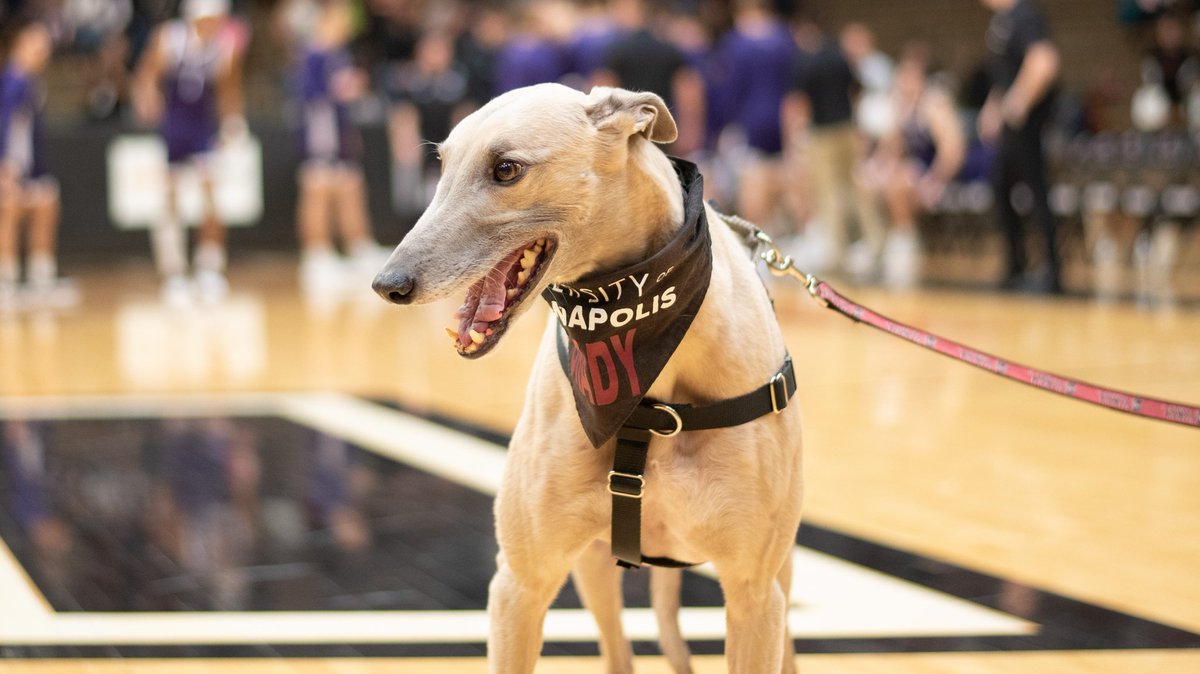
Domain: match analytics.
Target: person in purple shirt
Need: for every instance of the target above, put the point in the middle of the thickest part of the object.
(25, 188)
(757, 55)
(189, 84)
(533, 54)
(594, 32)
(759, 52)
(331, 178)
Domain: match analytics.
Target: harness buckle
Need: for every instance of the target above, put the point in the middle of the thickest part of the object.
(781, 396)
(674, 416)
(628, 485)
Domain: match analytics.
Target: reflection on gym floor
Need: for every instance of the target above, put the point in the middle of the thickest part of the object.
(274, 476)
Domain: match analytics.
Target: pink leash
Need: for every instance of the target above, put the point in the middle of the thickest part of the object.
(1142, 406)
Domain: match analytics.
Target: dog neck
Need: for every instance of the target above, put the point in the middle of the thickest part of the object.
(636, 315)
(642, 206)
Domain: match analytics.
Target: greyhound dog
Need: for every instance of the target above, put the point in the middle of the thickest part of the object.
(541, 188)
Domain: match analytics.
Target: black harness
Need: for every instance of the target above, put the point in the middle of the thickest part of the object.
(644, 320)
(627, 481)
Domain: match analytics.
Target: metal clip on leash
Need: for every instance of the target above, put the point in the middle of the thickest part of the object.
(779, 263)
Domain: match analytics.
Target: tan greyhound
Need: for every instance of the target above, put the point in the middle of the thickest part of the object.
(540, 188)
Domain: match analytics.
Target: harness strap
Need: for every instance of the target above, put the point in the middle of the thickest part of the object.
(627, 484)
(668, 419)
(627, 480)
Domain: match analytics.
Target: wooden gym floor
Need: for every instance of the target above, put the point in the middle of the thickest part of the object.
(337, 519)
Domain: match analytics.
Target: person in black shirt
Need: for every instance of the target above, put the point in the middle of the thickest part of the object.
(828, 82)
(1025, 69)
(818, 114)
(640, 61)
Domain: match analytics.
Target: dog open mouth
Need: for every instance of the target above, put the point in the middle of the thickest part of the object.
(485, 312)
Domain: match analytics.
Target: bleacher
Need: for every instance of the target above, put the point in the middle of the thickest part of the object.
(1107, 191)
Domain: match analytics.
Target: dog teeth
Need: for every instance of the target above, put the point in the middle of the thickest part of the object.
(452, 334)
(522, 277)
(471, 348)
(476, 337)
(529, 258)
(512, 292)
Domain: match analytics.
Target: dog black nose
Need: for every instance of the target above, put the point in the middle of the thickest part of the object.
(395, 287)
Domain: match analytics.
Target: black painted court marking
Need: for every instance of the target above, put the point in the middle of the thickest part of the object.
(1064, 623)
(430, 549)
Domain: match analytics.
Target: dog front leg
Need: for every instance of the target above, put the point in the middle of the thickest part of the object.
(784, 578)
(598, 580)
(517, 605)
(754, 617)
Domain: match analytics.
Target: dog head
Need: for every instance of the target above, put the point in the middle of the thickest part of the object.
(524, 180)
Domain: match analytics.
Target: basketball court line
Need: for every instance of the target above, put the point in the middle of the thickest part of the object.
(833, 598)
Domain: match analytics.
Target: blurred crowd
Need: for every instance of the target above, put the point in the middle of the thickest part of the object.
(840, 149)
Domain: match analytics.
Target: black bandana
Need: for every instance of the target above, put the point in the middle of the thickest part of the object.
(623, 326)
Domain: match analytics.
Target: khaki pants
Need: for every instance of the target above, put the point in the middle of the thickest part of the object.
(834, 155)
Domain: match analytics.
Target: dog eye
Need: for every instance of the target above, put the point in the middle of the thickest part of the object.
(507, 170)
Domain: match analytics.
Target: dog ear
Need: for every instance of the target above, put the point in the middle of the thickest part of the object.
(630, 112)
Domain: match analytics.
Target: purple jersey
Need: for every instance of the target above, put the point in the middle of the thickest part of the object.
(589, 44)
(328, 133)
(193, 67)
(758, 67)
(20, 123)
(526, 61)
(919, 144)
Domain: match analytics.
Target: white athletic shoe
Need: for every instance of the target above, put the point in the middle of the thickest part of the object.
(1106, 269)
(810, 251)
(321, 272)
(902, 261)
(176, 292)
(861, 262)
(211, 286)
(369, 256)
(366, 260)
(1154, 256)
(60, 293)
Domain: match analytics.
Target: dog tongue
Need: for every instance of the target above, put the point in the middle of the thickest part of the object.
(485, 300)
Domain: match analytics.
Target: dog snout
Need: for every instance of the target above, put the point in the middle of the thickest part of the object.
(394, 286)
